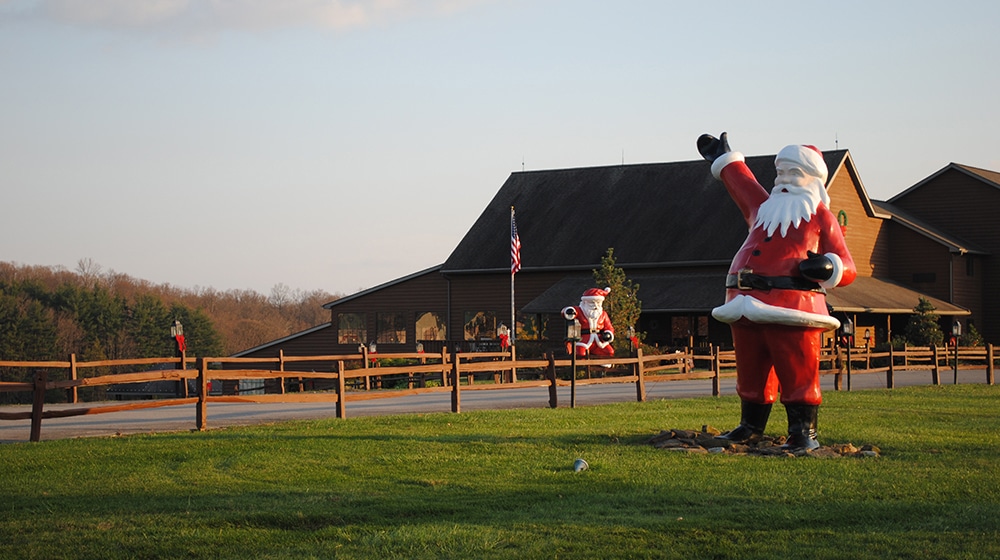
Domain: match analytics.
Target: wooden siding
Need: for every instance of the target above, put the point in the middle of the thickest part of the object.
(427, 292)
(968, 290)
(866, 237)
(966, 207)
(959, 204)
(320, 342)
(491, 292)
(914, 257)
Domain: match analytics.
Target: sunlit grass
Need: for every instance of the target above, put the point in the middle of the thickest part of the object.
(500, 484)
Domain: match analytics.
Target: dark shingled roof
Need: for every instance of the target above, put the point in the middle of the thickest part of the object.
(879, 295)
(653, 215)
(694, 292)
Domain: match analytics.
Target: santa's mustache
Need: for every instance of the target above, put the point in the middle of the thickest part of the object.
(788, 206)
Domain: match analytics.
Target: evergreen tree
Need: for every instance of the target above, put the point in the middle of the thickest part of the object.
(971, 337)
(622, 304)
(923, 328)
(148, 326)
(199, 333)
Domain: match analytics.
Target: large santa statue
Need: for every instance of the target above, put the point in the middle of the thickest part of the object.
(595, 325)
(776, 287)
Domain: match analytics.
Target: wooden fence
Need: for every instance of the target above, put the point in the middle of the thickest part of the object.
(350, 376)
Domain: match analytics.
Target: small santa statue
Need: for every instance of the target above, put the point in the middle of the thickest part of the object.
(776, 287)
(595, 325)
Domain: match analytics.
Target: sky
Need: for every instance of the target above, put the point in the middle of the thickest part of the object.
(339, 144)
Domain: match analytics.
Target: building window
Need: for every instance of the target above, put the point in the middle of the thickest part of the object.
(530, 326)
(352, 328)
(970, 267)
(480, 325)
(431, 326)
(390, 328)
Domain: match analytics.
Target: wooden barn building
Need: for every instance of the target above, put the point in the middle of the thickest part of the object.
(674, 231)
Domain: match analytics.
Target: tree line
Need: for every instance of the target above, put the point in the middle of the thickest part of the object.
(48, 313)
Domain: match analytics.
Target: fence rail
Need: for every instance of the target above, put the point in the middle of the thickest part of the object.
(446, 371)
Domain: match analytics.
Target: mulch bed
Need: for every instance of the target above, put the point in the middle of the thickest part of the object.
(705, 441)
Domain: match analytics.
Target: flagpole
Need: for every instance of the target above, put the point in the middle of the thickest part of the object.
(513, 323)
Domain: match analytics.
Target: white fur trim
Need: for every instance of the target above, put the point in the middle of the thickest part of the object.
(724, 160)
(759, 312)
(838, 271)
(808, 159)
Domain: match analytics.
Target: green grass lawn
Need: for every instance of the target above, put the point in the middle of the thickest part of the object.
(500, 484)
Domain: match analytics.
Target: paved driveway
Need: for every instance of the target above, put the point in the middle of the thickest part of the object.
(182, 417)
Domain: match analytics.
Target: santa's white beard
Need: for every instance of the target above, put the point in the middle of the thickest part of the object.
(787, 209)
(592, 315)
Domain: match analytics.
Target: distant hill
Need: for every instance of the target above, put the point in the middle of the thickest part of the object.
(50, 312)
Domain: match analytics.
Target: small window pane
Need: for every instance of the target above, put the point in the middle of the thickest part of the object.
(431, 326)
(480, 325)
(351, 328)
(390, 328)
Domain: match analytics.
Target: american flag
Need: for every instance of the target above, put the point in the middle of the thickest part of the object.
(515, 245)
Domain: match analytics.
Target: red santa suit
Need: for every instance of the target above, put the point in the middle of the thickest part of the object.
(592, 330)
(776, 315)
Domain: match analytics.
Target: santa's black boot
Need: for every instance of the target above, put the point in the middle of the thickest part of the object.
(801, 428)
(753, 419)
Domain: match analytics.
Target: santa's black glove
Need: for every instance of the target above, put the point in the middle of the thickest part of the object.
(817, 268)
(606, 336)
(712, 148)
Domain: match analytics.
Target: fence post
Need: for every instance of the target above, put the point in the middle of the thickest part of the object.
(38, 392)
(717, 371)
(183, 380)
(640, 381)
(513, 368)
(201, 410)
(73, 396)
(989, 364)
(456, 395)
(281, 368)
(551, 374)
(890, 379)
(341, 390)
(935, 371)
(444, 366)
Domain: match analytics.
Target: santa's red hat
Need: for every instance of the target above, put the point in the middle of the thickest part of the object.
(810, 159)
(596, 293)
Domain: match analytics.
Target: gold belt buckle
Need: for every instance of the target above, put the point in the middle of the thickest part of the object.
(739, 278)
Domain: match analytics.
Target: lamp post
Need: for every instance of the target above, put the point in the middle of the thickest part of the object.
(572, 337)
(956, 331)
(847, 332)
(868, 349)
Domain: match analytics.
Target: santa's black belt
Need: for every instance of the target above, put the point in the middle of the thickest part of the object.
(744, 280)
